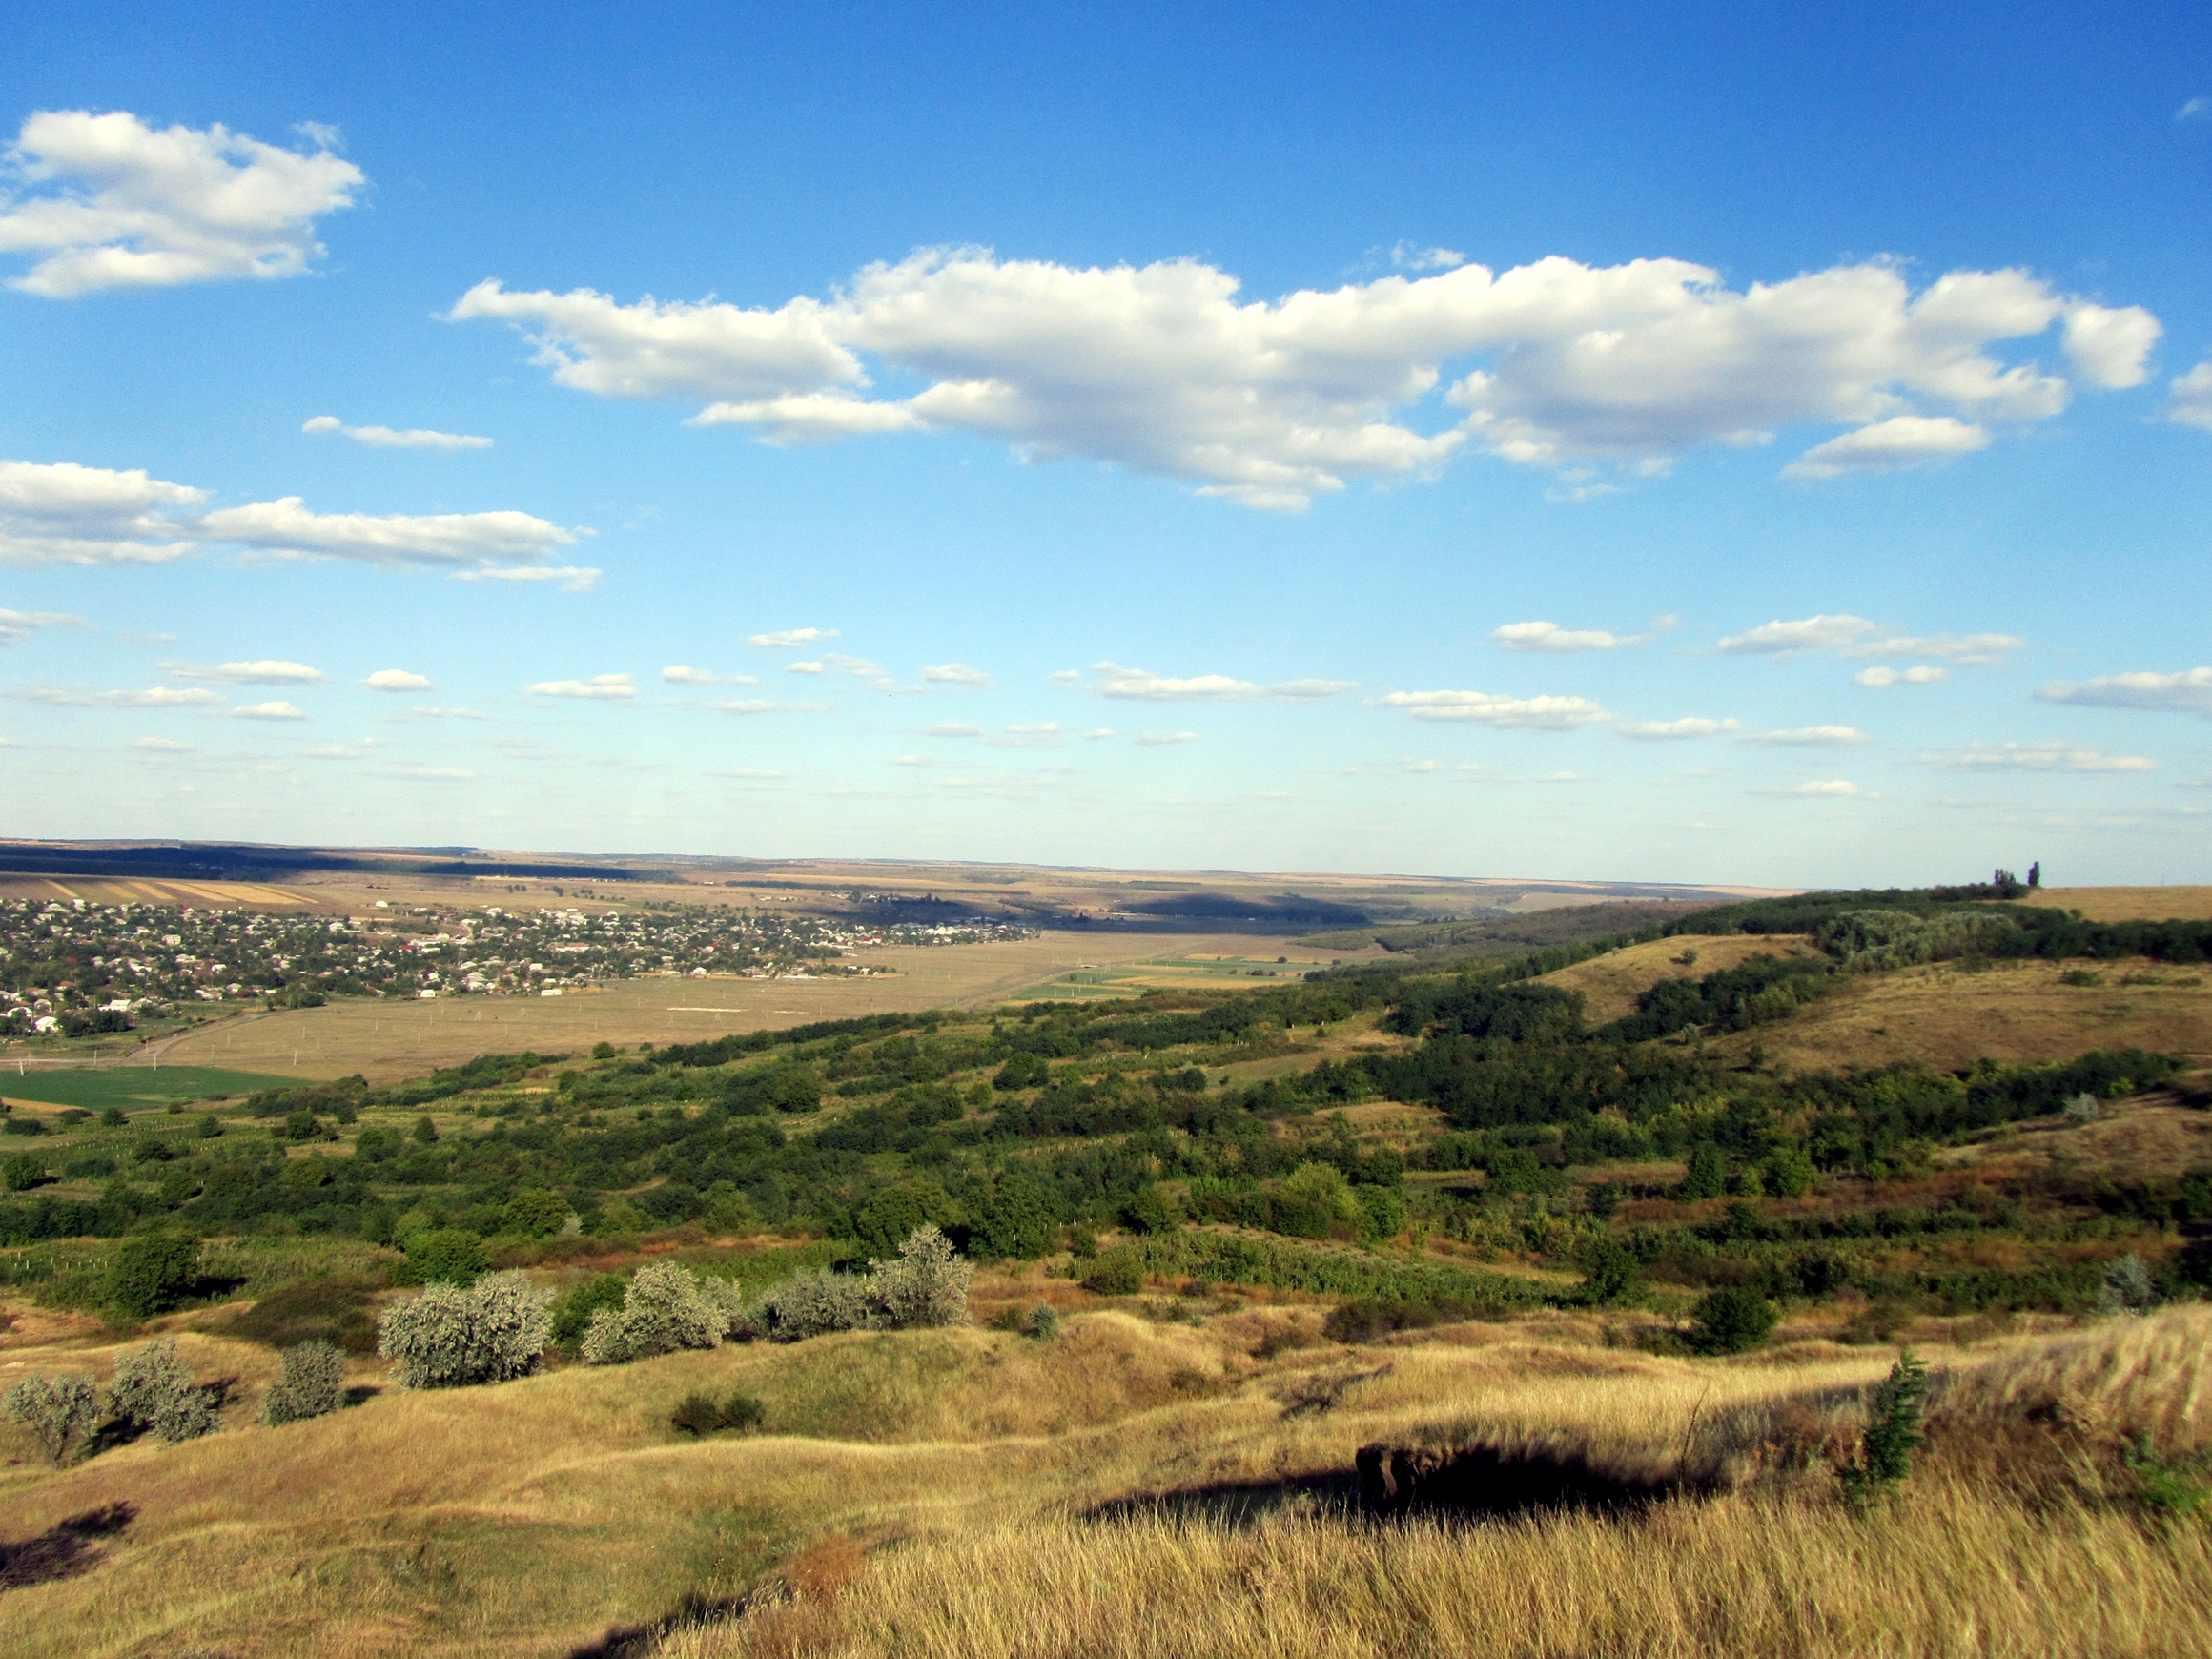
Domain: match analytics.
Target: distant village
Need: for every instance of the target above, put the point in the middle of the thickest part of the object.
(71, 969)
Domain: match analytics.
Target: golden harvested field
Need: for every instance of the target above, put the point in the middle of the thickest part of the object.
(392, 1039)
(2128, 904)
(2016, 1013)
(100, 890)
(1612, 983)
(1127, 1488)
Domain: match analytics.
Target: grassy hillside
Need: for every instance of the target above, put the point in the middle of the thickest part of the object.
(1496, 1211)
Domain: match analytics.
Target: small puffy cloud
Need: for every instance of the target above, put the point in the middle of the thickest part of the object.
(1886, 445)
(396, 680)
(1543, 636)
(1413, 257)
(792, 639)
(1065, 676)
(1829, 789)
(952, 728)
(1098, 733)
(112, 203)
(162, 745)
(387, 438)
(1973, 649)
(914, 760)
(60, 513)
(1045, 734)
(570, 578)
(764, 706)
(2190, 691)
(679, 675)
(606, 687)
(1688, 725)
(152, 697)
(1921, 674)
(2189, 401)
(1167, 369)
(1809, 737)
(1163, 739)
(1141, 686)
(957, 674)
(834, 663)
(442, 714)
(1786, 639)
(1491, 708)
(463, 540)
(278, 711)
(2195, 110)
(2035, 757)
(268, 672)
(18, 625)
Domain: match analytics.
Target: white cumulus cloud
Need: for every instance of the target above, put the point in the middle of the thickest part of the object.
(2188, 691)
(267, 672)
(792, 639)
(1543, 636)
(387, 438)
(1886, 445)
(614, 688)
(1168, 370)
(1141, 686)
(109, 202)
(1490, 708)
(2035, 757)
(1783, 638)
(2189, 401)
(1921, 674)
(396, 680)
(1834, 789)
(680, 675)
(152, 697)
(61, 513)
(568, 578)
(18, 625)
(277, 710)
(1163, 739)
(957, 674)
(1809, 737)
(1688, 725)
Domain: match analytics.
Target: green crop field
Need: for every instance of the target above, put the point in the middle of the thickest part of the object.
(131, 1087)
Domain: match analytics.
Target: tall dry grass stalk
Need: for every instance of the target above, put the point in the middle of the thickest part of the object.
(1951, 1576)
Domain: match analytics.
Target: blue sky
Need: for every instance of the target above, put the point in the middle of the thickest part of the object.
(1151, 437)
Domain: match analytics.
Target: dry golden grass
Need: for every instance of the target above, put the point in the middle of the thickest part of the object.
(252, 895)
(2128, 904)
(388, 1040)
(2016, 1013)
(948, 1493)
(1612, 983)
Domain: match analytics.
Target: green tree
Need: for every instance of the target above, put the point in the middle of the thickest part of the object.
(1013, 1218)
(425, 1129)
(1610, 1274)
(447, 1256)
(1708, 1176)
(535, 1213)
(883, 1223)
(1732, 1319)
(153, 1273)
(56, 1409)
(1892, 1431)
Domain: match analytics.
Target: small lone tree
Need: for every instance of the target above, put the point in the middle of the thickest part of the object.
(451, 1337)
(664, 1308)
(2128, 1287)
(56, 1409)
(1610, 1274)
(1893, 1430)
(1732, 1319)
(153, 1273)
(310, 1383)
(154, 1390)
(927, 1285)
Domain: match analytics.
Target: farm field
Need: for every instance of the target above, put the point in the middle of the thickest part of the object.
(2127, 903)
(391, 1040)
(1947, 1017)
(130, 1088)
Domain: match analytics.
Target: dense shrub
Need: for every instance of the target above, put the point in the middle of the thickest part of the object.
(2128, 1287)
(446, 1255)
(813, 1304)
(535, 1213)
(666, 1308)
(1115, 1273)
(56, 1409)
(20, 1172)
(1610, 1274)
(702, 1414)
(153, 1273)
(572, 1313)
(449, 1337)
(310, 1383)
(1732, 1319)
(339, 1310)
(927, 1285)
(154, 1390)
